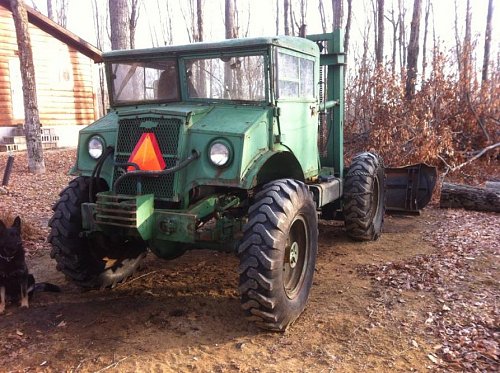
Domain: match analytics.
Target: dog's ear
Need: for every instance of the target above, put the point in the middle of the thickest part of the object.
(17, 223)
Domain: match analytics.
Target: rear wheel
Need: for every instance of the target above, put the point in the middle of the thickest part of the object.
(91, 262)
(278, 254)
(364, 197)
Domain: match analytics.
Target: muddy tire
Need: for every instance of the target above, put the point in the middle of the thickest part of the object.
(364, 197)
(96, 262)
(278, 254)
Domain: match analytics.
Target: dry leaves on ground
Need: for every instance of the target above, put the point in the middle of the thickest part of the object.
(466, 317)
(32, 196)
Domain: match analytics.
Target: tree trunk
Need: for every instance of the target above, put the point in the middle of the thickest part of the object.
(61, 10)
(487, 41)
(286, 14)
(493, 185)
(379, 52)
(134, 17)
(228, 72)
(402, 33)
(303, 17)
(322, 15)
(201, 78)
(467, 50)
(469, 197)
(395, 24)
(36, 163)
(99, 22)
(426, 29)
(119, 22)
(413, 49)
(348, 27)
(277, 17)
(50, 12)
(338, 14)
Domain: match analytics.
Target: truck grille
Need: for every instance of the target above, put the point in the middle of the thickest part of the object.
(167, 133)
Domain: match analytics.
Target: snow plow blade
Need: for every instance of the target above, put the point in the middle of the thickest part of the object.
(409, 188)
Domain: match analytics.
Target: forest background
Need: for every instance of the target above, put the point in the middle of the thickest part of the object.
(422, 77)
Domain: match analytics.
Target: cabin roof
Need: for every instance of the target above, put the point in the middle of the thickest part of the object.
(46, 24)
(242, 44)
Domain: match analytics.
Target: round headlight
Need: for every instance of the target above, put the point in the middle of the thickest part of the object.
(96, 147)
(219, 154)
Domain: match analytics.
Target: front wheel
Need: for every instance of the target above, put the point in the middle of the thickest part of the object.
(278, 254)
(91, 262)
(364, 197)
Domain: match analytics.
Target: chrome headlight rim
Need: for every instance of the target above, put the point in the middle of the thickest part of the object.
(96, 146)
(220, 153)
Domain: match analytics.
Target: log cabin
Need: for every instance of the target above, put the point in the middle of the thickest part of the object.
(64, 73)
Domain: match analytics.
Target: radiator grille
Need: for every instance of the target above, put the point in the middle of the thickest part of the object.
(167, 133)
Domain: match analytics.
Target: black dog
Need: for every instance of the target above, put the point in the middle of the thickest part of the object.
(16, 283)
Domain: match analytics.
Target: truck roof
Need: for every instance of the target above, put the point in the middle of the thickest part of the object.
(242, 44)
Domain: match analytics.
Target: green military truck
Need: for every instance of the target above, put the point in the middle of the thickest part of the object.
(234, 146)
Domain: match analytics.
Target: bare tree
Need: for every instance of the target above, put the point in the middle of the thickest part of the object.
(467, 48)
(278, 17)
(201, 78)
(286, 14)
(230, 34)
(426, 28)
(394, 21)
(36, 163)
(413, 49)
(134, 17)
(190, 20)
(379, 51)
(50, 12)
(99, 27)
(322, 15)
(301, 25)
(338, 13)
(402, 33)
(61, 11)
(348, 26)
(61, 7)
(458, 43)
(162, 30)
(119, 22)
(487, 41)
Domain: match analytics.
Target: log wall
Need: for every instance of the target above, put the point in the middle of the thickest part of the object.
(63, 79)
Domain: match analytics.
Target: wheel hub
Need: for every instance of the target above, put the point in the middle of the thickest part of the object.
(294, 254)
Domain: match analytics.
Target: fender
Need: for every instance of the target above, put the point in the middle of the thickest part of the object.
(272, 165)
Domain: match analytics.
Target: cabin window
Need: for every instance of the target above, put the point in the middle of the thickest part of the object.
(295, 77)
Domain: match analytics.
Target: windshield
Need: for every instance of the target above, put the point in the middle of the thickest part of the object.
(227, 77)
(145, 81)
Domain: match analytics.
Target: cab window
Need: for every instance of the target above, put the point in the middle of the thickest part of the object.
(294, 77)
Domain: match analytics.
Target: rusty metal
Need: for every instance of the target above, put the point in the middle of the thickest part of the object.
(409, 188)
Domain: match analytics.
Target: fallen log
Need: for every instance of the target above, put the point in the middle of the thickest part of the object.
(492, 185)
(469, 197)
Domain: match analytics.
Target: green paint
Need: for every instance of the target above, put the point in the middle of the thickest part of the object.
(273, 137)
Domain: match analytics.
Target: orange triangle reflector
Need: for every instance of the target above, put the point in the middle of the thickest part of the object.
(147, 154)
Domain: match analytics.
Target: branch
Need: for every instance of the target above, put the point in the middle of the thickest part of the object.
(478, 118)
(478, 155)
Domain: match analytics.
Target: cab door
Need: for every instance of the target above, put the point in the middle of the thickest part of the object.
(297, 114)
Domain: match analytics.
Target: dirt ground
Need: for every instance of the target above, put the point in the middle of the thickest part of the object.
(424, 297)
